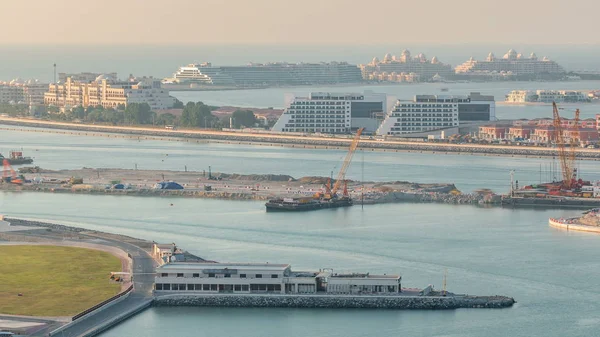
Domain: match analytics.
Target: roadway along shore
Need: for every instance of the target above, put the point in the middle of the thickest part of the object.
(297, 140)
(226, 186)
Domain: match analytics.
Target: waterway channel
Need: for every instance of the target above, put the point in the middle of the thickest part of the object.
(551, 273)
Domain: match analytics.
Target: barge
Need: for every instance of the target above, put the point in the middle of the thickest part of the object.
(16, 158)
(305, 204)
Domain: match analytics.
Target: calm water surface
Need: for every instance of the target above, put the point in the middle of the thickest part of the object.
(552, 274)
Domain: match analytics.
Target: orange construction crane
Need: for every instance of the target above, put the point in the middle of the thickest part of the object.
(342, 174)
(566, 162)
(575, 142)
(9, 175)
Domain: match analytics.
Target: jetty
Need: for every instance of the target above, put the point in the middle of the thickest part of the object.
(161, 279)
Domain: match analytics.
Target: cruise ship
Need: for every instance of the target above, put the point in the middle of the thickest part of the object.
(268, 74)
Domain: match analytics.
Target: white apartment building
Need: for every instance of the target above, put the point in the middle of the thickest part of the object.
(249, 278)
(332, 113)
(426, 113)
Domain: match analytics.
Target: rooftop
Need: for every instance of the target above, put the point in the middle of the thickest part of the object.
(205, 265)
(367, 275)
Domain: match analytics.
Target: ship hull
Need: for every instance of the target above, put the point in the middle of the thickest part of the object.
(20, 161)
(275, 206)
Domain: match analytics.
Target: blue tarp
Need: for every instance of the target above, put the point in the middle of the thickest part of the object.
(168, 185)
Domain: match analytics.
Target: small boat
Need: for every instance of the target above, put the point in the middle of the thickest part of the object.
(16, 158)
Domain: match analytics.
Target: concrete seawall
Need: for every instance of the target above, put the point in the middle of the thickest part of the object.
(300, 141)
(556, 223)
(335, 302)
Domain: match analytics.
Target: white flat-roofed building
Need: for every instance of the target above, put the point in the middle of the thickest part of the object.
(547, 96)
(256, 278)
(427, 113)
(332, 113)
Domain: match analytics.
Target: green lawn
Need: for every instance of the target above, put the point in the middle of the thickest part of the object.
(54, 280)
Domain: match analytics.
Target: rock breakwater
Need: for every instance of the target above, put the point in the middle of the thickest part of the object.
(336, 302)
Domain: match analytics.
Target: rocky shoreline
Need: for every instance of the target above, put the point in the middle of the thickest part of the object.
(467, 149)
(337, 302)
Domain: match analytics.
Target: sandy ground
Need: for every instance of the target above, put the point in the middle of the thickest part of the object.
(261, 185)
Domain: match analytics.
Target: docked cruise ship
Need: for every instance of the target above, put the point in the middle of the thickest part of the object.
(511, 63)
(547, 96)
(269, 74)
(427, 113)
(406, 68)
(333, 113)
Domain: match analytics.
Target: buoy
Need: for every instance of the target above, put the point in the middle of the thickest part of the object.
(171, 204)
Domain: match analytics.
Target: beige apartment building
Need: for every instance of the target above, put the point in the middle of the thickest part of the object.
(108, 94)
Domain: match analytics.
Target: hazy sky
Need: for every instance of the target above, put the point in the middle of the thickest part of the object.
(299, 21)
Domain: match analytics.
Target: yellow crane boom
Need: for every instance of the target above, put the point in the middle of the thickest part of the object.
(342, 174)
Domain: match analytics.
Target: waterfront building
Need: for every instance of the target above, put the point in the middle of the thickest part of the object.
(547, 96)
(428, 113)
(29, 92)
(542, 130)
(322, 112)
(512, 62)
(85, 77)
(406, 68)
(108, 94)
(268, 74)
(493, 132)
(260, 278)
(11, 94)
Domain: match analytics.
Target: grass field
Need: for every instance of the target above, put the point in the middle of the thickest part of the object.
(54, 280)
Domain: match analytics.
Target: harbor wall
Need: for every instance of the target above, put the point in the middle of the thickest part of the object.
(556, 223)
(335, 301)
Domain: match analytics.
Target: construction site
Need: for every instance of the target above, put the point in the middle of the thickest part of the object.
(567, 186)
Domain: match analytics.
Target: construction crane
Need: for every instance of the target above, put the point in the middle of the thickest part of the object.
(9, 175)
(566, 160)
(575, 141)
(341, 178)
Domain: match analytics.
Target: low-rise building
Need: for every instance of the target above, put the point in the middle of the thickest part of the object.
(547, 96)
(256, 278)
(493, 132)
